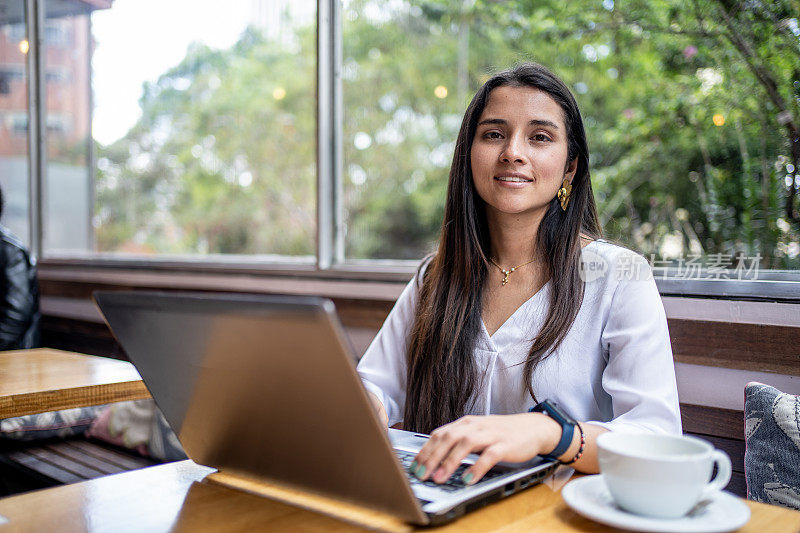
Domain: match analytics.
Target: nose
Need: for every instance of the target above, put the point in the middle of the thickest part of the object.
(512, 151)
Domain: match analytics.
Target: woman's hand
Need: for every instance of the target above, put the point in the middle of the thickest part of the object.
(512, 438)
(377, 405)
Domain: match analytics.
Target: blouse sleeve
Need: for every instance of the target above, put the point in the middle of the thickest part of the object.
(640, 373)
(383, 367)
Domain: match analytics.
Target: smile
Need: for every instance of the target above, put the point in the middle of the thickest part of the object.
(513, 179)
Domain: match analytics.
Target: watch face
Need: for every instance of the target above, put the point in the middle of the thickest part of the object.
(555, 412)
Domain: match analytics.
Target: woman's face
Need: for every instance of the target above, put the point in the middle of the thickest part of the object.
(519, 153)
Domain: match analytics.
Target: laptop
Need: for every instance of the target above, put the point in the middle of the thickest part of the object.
(265, 387)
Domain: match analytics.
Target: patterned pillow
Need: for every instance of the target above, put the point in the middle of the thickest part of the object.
(772, 437)
(125, 424)
(61, 424)
(137, 425)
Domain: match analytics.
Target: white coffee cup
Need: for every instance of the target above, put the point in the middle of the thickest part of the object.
(661, 476)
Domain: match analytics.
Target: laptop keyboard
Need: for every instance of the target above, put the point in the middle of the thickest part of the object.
(454, 483)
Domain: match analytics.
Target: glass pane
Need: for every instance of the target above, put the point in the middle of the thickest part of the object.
(67, 184)
(203, 127)
(402, 110)
(691, 150)
(14, 125)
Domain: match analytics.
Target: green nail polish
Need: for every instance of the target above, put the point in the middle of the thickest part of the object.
(420, 471)
(413, 466)
(467, 477)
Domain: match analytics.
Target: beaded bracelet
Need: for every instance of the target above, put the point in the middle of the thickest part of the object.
(580, 450)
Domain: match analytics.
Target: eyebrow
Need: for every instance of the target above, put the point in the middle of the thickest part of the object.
(534, 122)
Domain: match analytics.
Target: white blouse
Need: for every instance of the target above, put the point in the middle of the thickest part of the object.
(614, 367)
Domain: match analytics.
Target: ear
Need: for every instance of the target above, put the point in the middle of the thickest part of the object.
(572, 168)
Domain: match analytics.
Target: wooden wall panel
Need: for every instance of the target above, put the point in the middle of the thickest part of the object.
(759, 347)
(723, 428)
(362, 314)
(701, 419)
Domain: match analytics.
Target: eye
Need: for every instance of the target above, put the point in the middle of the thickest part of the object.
(541, 137)
(493, 134)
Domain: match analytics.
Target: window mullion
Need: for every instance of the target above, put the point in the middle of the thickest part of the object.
(34, 22)
(330, 250)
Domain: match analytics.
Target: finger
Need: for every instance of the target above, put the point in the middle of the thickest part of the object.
(489, 457)
(435, 450)
(456, 456)
(440, 444)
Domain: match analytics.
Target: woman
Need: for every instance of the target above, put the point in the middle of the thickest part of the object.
(522, 302)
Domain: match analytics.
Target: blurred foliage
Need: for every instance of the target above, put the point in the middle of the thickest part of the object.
(691, 108)
(222, 159)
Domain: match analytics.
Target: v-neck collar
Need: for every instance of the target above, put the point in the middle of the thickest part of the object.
(489, 340)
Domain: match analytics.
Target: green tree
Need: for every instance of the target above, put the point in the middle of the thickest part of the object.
(222, 159)
(691, 109)
(651, 79)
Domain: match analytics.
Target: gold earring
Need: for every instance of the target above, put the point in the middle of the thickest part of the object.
(563, 193)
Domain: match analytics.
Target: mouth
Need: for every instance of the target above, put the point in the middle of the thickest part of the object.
(513, 177)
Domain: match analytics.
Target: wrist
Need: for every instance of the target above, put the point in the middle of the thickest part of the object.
(548, 432)
(565, 423)
(578, 441)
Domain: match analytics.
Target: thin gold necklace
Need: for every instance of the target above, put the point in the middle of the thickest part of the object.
(510, 271)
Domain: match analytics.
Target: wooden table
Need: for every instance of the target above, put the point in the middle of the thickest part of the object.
(41, 380)
(178, 497)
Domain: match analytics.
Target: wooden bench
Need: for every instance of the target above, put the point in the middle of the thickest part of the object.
(724, 428)
(28, 466)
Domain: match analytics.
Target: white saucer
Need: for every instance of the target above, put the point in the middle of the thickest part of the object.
(589, 497)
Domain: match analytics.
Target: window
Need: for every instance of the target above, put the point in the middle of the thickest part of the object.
(201, 140)
(689, 161)
(68, 177)
(19, 123)
(57, 32)
(14, 120)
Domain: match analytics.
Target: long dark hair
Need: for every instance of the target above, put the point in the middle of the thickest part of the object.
(442, 375)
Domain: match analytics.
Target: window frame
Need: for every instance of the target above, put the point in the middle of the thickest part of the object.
(330, 263)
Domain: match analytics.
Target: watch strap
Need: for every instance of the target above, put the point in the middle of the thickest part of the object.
(567, 426)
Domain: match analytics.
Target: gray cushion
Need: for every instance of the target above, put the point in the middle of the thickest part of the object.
(772, 435)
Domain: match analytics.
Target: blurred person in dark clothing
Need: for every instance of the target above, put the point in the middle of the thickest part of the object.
(19, 293)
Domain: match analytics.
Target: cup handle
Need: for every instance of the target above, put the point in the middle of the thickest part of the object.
(720, 481)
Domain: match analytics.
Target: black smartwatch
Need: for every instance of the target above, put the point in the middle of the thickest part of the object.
(566, 422)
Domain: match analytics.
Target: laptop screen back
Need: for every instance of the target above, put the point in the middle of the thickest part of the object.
(263, 387)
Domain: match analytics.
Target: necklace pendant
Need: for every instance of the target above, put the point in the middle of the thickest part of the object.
(509, 271)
